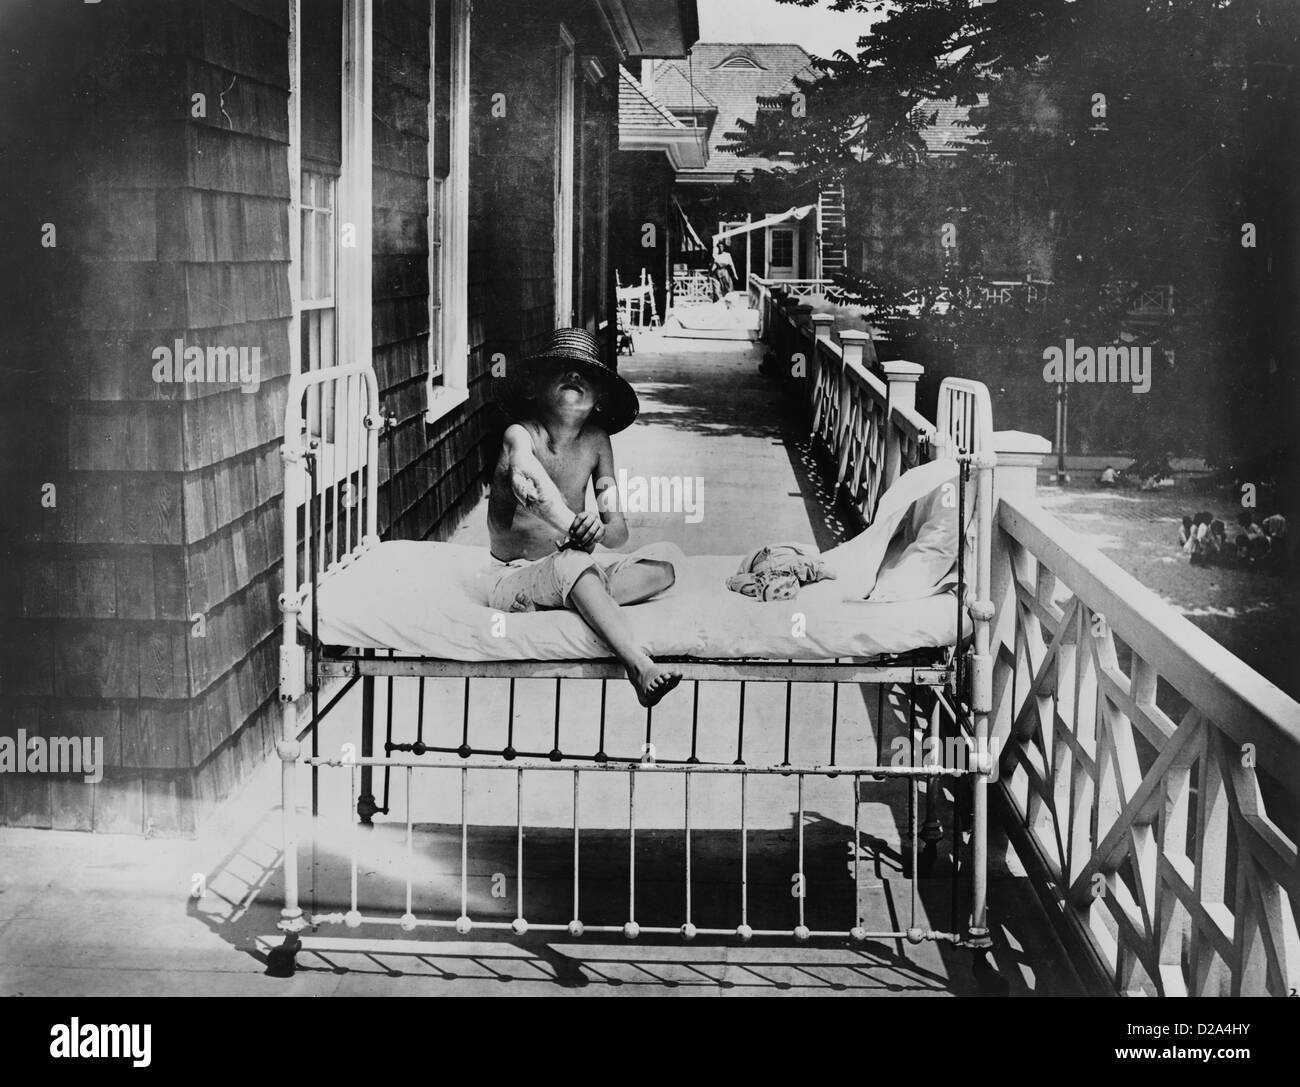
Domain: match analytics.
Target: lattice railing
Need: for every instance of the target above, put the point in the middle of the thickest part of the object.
(849, 421)
(866, 424)
(803, 288)
(1151, 770)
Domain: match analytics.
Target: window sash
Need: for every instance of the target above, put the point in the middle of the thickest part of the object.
(565, 121)
(448, 218)
(329, 284)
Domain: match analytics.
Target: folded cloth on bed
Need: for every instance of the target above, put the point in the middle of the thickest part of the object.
(909, 551)
(426, 599)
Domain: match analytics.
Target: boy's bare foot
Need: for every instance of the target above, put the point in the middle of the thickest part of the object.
(652, 683)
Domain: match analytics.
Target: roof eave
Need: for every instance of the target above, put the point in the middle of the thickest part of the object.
(686, 148)
(645, 29)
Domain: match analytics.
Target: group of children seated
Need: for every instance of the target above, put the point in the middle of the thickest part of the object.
(1255, 544)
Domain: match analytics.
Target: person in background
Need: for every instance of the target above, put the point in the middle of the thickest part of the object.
(1219, 542)
(1185, 533)
(1275, 532)
(1201, 545)
(1109, 477)
(1248, 529)
(1158, 474)
(724, 270)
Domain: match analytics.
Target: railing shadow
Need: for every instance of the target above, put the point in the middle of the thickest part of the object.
(244, 893)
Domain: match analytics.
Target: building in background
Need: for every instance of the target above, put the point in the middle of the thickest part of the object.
(649, 230)
(717, 86)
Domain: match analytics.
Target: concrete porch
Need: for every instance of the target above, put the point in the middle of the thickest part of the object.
(105, 915)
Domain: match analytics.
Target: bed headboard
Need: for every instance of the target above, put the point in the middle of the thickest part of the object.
(334, 416)
(965, 418)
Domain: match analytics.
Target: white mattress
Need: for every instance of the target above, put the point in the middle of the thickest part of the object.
(423, 599)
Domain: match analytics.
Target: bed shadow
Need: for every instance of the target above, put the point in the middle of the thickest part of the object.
(244, 894)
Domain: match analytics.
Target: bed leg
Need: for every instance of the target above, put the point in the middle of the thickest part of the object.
(932, 828)
(366, 806)
(292, 921)
(977, 935)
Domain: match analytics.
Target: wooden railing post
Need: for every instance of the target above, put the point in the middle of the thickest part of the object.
(1019, 457)
(777, 330)
(823, 324)
(1014, 459)
(902, 378)
(795, 312)
(854, 344)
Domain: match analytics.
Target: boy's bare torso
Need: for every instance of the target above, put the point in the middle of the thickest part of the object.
(519, 533)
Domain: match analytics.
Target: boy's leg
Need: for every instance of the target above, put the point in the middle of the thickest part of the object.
(639, 581)
(598, 608)
(644, 573)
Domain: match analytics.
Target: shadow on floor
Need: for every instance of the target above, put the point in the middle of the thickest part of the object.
(245, 893)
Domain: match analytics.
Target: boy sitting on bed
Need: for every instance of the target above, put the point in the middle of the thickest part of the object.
(566, 403)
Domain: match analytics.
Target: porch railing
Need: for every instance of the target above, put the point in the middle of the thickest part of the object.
(1150, 770)
(1150, 776)
(863, 413)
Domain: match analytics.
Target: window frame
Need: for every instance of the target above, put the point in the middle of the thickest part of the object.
(793, 266)
(564, 187)
(352, 300)
(447, 379)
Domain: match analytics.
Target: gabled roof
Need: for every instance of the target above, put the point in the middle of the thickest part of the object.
(769, 70)
(646, 124)
(637, 106)
(673, 88)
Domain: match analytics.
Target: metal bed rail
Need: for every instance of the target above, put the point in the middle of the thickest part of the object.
(464, 923)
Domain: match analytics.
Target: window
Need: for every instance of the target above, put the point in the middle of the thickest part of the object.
(564, 134)
(319, 62)
(448, 223)
(781, 257)
(740, 62)
(330, 184)
(317, 282)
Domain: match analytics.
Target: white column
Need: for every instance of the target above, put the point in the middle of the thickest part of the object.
(901, 378)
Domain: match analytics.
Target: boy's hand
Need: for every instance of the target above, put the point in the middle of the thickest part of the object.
(586, 531)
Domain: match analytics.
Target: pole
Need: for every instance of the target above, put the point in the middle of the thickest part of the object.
(1061, 395)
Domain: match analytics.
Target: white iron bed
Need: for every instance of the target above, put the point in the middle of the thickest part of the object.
(369, 612)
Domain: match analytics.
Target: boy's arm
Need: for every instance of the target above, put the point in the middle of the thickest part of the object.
(532, 487)
(607, 496)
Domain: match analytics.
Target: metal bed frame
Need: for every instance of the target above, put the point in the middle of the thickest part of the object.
(333, 423)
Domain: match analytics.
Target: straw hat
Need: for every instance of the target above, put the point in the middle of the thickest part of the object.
(617, 404)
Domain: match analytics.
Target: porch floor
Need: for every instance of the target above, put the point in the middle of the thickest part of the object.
(105, 915)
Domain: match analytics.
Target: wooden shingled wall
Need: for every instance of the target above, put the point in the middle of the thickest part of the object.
(172, 227)
(435, 466)
(142, 607)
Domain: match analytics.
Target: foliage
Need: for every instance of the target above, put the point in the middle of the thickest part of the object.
(1130, 141)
